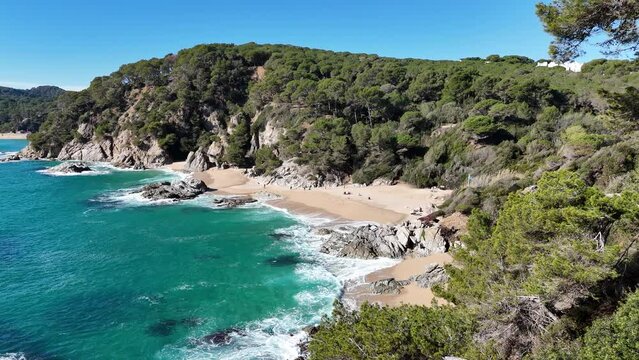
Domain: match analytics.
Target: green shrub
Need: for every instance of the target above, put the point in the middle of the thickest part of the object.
(407, 332)
(266, 161)
(481, 125)
(615, 337)
(577, 136)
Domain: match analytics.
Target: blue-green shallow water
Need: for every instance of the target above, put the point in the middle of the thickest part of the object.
(85, 276)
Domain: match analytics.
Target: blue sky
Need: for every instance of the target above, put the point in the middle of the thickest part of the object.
(69, 42)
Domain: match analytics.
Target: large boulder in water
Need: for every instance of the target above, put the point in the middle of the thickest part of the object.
(178, 190)
(12, 157)
(70, 168)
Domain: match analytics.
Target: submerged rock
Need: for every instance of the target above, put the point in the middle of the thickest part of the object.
(168, 326)
(232, 202)
(177, 190)
(223, 337)
(162, 328)
(284, 260)
(70, 168)
(433, 275)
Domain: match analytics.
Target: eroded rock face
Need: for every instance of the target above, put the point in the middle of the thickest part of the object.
(292, 175)
(177, 190)
(31, 153)
(434, 274)
(373, 241)
(197, 161)
(123, 150)
(70, 168)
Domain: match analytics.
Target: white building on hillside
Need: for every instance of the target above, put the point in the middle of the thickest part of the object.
(570, 66)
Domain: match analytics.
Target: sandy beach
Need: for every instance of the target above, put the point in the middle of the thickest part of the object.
(13, 136)
(411, 294)
(384, 204)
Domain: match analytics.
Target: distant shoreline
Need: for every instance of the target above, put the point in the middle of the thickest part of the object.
(13, 136)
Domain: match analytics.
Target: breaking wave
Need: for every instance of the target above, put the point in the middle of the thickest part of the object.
(280, 336)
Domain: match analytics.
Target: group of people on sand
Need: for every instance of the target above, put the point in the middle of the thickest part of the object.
(349, 193)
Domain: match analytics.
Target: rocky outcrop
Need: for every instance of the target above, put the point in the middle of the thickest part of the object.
(31, 153)
(177, 190)
(293, 175)
(70, 168)
(197, 161)
(453, 227)
(434, 274)
(91, 151)
(123, 150)
(383, 181)
(271, 134)
(12, 157)
(388, 286)
(373, 241)
(233, 202)
(205, 158)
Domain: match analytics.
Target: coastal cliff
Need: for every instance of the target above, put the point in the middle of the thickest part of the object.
(543, 162)
(305, 118)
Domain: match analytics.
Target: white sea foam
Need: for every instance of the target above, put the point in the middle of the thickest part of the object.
(132, 197)
(13, 356)
(5, 154)
(97, 169)
(279, 336)
(305, 242)
(84, 173)
(183, 287)
(129, 198)
(272, 338)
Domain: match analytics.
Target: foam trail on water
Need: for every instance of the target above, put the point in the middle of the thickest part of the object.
(279, 336)
(85, 173)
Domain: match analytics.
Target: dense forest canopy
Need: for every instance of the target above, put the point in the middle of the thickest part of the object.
(544, 160)
(427, 122)
(25, 110)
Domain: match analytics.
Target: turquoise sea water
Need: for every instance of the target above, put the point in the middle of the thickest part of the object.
(88, 272)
